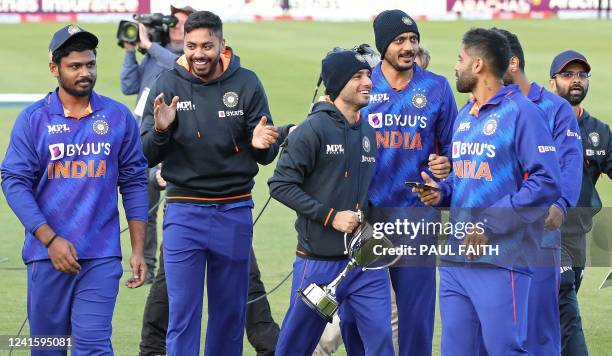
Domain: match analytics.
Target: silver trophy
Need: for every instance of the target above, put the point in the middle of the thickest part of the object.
(360, 250)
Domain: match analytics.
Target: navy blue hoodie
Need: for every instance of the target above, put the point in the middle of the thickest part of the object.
(206, 153)
(326, 168)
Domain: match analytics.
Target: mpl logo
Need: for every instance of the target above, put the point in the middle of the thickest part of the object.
(57, 151)
(375, 120)
(378, 98)
(464, 126)
(334, 150)
(185, 106)
(59, 128)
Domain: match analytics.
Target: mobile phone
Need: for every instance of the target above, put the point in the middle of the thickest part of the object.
(422, 186)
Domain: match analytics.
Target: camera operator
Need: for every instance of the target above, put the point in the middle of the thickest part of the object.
(137, 78)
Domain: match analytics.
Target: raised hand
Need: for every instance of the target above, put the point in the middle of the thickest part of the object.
(264, 136)
(163, 114)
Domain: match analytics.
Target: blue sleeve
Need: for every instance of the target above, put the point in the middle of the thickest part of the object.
(566, 135)
(447, 186)
(535, 153)
(446, 120)
(132, 173)
(20, 173)
(257, 108)
(163, 56)
(295, 163)
(154, 143)
(130, 74)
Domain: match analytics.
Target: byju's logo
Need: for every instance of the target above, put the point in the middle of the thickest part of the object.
(375, 120)
(334, 150)
(59, 128)
(57, 151)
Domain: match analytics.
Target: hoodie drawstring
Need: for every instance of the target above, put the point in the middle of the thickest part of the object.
(199, 131)
(228, 125)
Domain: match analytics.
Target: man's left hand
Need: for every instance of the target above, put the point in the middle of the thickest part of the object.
(439, 166)
(139, 271)
(554, 220)
(264, 136)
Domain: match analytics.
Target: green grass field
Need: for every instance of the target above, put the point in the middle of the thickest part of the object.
(287, 58)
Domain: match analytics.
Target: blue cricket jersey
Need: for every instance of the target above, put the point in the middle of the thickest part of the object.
(410, 124)
(563, 125)
(504, 166)
(65, 172)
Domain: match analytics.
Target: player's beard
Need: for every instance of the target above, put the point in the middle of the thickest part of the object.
(75, 89)
(466, 81)
(394, 62)
(209, 72)
(574, 99)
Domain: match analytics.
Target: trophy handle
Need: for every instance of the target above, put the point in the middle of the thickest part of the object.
(333, 285)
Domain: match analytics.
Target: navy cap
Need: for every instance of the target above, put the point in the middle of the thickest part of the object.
(565, 58)
(390, 24)
(66, 33)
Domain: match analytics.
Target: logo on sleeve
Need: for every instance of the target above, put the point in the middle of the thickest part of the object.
(57, 151)
(375, 120)
(230, 99)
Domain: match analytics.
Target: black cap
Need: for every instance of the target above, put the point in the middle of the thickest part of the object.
(185, 9)
(390, 24)
(337, 69)
(564, 58)
(69, 32)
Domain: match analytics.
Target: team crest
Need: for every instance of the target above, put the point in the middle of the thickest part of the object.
(72, 29)
(230, 99)
(406, 21)
(419, 100)
(366, 144)
(594, 137)
(100, 127)
(490, 127)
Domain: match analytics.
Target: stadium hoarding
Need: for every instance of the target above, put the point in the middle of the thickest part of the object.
(524, 8)
(70, 10)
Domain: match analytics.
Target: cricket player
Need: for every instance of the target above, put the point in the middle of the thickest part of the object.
(324, 175)
(544, 334)
(67, 155)
(413, 111)
(570, 72)
(505, 177)
(208, 121)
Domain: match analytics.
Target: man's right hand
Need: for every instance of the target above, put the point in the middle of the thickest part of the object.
(427, 196)
(64, 256)
(143, 37)
(346, 221)
(163, 114)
